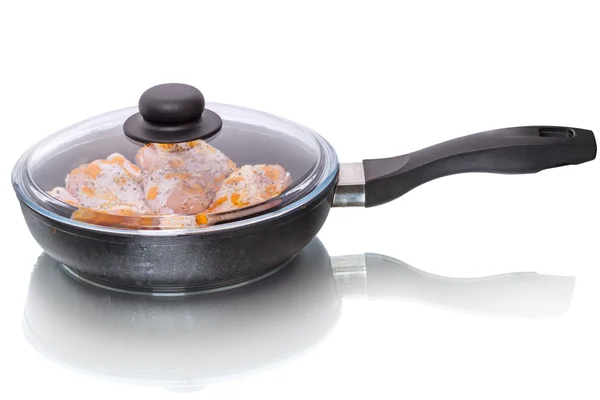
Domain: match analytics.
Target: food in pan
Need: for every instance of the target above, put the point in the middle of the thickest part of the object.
(251, 184)
(196, 157)
(167, 184)
(182, 178)
(111, 185)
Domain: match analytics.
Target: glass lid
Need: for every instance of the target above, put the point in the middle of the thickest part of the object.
(174, 162)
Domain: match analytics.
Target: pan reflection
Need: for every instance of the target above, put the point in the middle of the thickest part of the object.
(184, 343)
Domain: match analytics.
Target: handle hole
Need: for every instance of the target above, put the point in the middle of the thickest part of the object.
(557, 132)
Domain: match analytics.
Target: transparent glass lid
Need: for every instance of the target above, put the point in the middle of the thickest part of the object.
(250, 163)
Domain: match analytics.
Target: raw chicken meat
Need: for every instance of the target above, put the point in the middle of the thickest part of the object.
(197, 157)
(250, 185)
(182, 178)
(108, 185)
(175, 186)
(63, 195)
(176, 191)
(135, 221)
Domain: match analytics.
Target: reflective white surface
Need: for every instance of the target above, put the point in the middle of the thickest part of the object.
(197, 340)
(375, 80)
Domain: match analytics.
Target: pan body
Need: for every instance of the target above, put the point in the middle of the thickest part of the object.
(191, 262)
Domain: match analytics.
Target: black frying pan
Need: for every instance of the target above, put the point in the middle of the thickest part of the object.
(191, 341)
(206, 260)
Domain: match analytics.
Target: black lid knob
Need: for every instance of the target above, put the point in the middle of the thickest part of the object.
(171, 103)
(172, 113)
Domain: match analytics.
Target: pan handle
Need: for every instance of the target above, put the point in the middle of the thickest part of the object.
(518, 150)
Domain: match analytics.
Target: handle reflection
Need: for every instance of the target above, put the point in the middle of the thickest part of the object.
(517, 294)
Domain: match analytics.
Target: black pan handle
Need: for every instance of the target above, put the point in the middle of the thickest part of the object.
(519, 150)
(518, 294)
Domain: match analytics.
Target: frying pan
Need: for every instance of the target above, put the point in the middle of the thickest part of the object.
(191, 341)
(246, 247)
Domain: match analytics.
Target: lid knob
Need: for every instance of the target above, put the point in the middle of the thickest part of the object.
(171, 103)
(172, 113)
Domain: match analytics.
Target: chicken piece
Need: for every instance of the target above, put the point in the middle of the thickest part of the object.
(126, 219)
(62, 194)
(207, 219)
(250, 185)
(174, 186)
(111, 185)
(196, 157)
(130, 167)
(176, 191)
(182, 178)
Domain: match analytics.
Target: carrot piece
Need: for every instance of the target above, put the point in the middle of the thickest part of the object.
(201, 219)
(88, 191)
(152, 193)
(92, 170)
(217, 203)
(233, 180)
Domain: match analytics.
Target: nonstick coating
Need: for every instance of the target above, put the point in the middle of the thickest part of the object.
(186, 262)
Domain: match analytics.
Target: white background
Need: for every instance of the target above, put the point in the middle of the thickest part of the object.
(376, 79)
